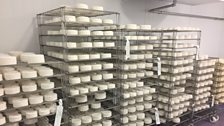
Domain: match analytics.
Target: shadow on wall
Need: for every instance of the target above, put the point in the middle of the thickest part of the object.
(139, 11)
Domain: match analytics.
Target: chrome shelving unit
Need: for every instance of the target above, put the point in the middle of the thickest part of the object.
(60, 44)
(57, 78)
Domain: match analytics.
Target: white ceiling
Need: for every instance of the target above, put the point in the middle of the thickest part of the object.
(197, 2)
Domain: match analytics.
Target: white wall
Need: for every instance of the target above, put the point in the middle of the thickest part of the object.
(18, 25)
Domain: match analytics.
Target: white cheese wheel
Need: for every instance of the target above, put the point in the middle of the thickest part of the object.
(106, 113)
(132, 85)
(124, 111)
(2, 119)
(12, 75)
(108, 65)
(85, 78)
(111, 86)
(96, 20)
(96, 66)
(83, 108)
(30, 121)
(132, 66)
(148, 120)
(94, 56)
(124, 120)
(20, 102)
(82, 6)
(47, 85)
(131, 26)
(85, 67)
(29, 87)
(105, 55)
(72, 57)
(148, 105)
(140, 56)
(83, 56)
(108, 21)
(30, 113)
(43, 111)
(132, 109)
(109, 44)
(74, 92)
(139, 92)
(107, 123)
(108, 33)
(107, 76)
(98, 44)
(74, 80)
(12, 89)
(140, 107)
(148, 98)
(83, 19)
(100, 95)
(81, 99)
(50, 97)
(145, 27)
(139, 84)
(96, 116)
(84, 32)
(132, 117)
(99, 8)
(96, 105)
(36, 99)
(86, 119)
(97, 77)
(126, 95)
(43, 72)
(97, 33)
(3, 105)
(7, 60)
(28, 73)
(85, 44)
(70, 18)
(76, 122)
(141, 116)
(83, 90)
(73, 68)
(124, 103)
(93, 88)
(71, 45)
(131, 101)
(14, 117)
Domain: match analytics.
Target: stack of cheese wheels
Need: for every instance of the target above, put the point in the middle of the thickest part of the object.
(202, 82)
(217, 87)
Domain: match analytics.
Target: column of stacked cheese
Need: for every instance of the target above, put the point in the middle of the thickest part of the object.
(217, 88)
(176, 62)
(200, 83)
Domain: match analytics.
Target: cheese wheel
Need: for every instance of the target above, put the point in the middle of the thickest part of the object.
(30, 121)
(97, 33)
(47, 85)
(12, 89)
(96, 66)
(98, 44)
(81, 99)
(106, 113)
(2, 119)
(105, 55)
(99, 8)
(86, 119)
(43, 72)
(131, 26)
(36, 99)
(84, 32)
(74, 92)
(83, 108)
(97, 124)
(83, 19)
(94, 56)
(107, 123)
(111, 86)
(71, 45)
(96, 116)
(3, 105)
(108, 65)
(108, 21)
(29, 87)
(124, 111)
(100, 95)
(76, 122)
(30, 114)
(132, 109)
(141, 116)
(107, 76)
(108, 33)
(148, 120)
(50, 97)
(82, 6)
(139, 99)
(83, 56)
(43, 111)
(7, 60)
(12, 75)
(96, 20)
(85, 78)
(29, 73)
(36, 58)
(73, 68)
(109, 44)
(96, 105)
(14, 117)
(83, 90)
(52, 107)
(132, 117)
(85, 67)
(85, 44)
(124, 120)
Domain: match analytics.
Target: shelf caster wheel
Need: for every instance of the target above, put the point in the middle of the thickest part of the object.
(214, 119)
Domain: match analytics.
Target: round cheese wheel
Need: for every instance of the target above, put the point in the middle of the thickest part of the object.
(99, 8)
(76, 122)
(132, 109)
(29, 73)
(141, 116)
(82, 6)
(74, 80)
(107, 76)
(96, 116)
(74, 92)
(2, 119)
(97, 77)
(85, 67)
(96, 66)
(43, 111)
(148, 120)
(100, 95)
(3, 106)
(124, 120)
(86, 119)
(12, 89)
(14, 117)
(85, 45)
(36, 99)
(124, 111)
(29, 87)
(83, 108)
(108, 21)
(108, 65)
(106, 113)
(98, 44)
(83, 90)
(107, 123)
(96, 20)
(131, 26)
(20, 102)
(83, 57)
(97, 33)
(109, 44)
(140, 107)
(131, 101)
(132, 117)
(47, 85)
(50, 97)
(1, 91)
(84, 32)
(105, 55)
(111, 86)
(30, 114)
(12, 75)
(81, 99)
(97, 124)
(44, 72)
(96, 105)
(73, 68)
(94, 56)
(108, 33)
(83, 19)
(85, 78)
